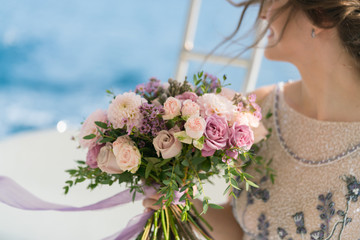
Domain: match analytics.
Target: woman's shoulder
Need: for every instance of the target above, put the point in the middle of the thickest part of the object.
(263, 92)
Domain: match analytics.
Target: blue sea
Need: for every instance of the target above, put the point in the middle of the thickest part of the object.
(58, 58)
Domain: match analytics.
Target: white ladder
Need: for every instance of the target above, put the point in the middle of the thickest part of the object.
(252, 64)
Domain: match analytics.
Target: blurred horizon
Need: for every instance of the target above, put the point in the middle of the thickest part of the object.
(58, 58)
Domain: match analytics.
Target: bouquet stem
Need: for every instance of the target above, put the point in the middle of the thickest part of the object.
(167, 224)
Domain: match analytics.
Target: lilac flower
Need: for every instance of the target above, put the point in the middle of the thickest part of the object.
(151, 123)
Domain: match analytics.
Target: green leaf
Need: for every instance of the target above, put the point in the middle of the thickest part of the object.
(66, 189)
(185, 163)
(227, 189)
(252, 184)
(200, 74)
(90, 136)
(101, 125)
(215, 206)
(198, 144)
(202, 176)
(162, 163)
(218, 90)
(69, 182)
(183, 197)
(105, 140)
(205, 207)
(125, 177)
(206, 165)
(272, 178)
(149, 167)
(152, 160)
(81, 162)
(268, 115)
(247, 175)
(166, 182)
(178, 171)
(234, 184)
(197, 160)
(79, 180)
(71, 171)
(183, 137)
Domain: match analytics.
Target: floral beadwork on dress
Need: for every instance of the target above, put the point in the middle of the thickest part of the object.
(263, 227)
(299, 222)
(327, 210)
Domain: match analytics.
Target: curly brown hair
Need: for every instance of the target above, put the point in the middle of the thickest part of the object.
(344, 15)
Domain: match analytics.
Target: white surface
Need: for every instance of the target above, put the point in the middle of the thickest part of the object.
(37, 161)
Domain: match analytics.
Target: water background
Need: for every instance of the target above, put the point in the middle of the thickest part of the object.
(57, 58)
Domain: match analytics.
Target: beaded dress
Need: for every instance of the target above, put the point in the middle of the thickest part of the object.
(316, 194)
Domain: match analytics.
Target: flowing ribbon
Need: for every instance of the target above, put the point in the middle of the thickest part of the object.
(12, 194)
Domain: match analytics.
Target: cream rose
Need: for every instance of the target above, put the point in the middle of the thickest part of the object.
(195, 127)
(172, 107)
(190, 108)
(167, 144)
(106, 160)
(127, 155)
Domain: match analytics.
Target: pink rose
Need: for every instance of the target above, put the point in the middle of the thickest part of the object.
(172, 107)
(245, 118)
(241, 136)
(167, 144)
(127, 155)
(89, 127)
(106, 160)
(228, 93)
(188, 95)
(190, 108)
(92, 155)
(260, 133)
(211, 103)
(195, 127)
(216, 135)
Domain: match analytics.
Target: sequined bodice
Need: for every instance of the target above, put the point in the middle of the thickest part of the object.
(317, 183)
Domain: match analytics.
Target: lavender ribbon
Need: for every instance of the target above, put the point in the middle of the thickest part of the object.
(12, 194)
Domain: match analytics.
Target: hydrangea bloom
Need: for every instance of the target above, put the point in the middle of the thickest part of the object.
(215, 104)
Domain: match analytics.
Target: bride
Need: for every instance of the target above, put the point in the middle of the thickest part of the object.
(315, 141)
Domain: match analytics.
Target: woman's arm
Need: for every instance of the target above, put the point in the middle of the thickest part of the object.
(225, 227)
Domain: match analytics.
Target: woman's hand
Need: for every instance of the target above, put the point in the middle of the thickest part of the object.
(149, 202)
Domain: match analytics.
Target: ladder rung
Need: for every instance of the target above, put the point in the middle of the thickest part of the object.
(218, 59)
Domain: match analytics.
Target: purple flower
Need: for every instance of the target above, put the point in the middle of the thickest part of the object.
(252, 98)
(241, 136)
(92, 155)
(188, 95)
(152, 86)
(140, 88)
(231, 153)
(258, 115)
(216, 135)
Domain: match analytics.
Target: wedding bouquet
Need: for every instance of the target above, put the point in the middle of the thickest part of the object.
(172, 138)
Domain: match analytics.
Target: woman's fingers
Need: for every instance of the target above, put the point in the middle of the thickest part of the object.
(155, 196)
(149, 203)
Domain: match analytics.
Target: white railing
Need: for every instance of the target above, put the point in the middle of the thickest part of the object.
(252, 64)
